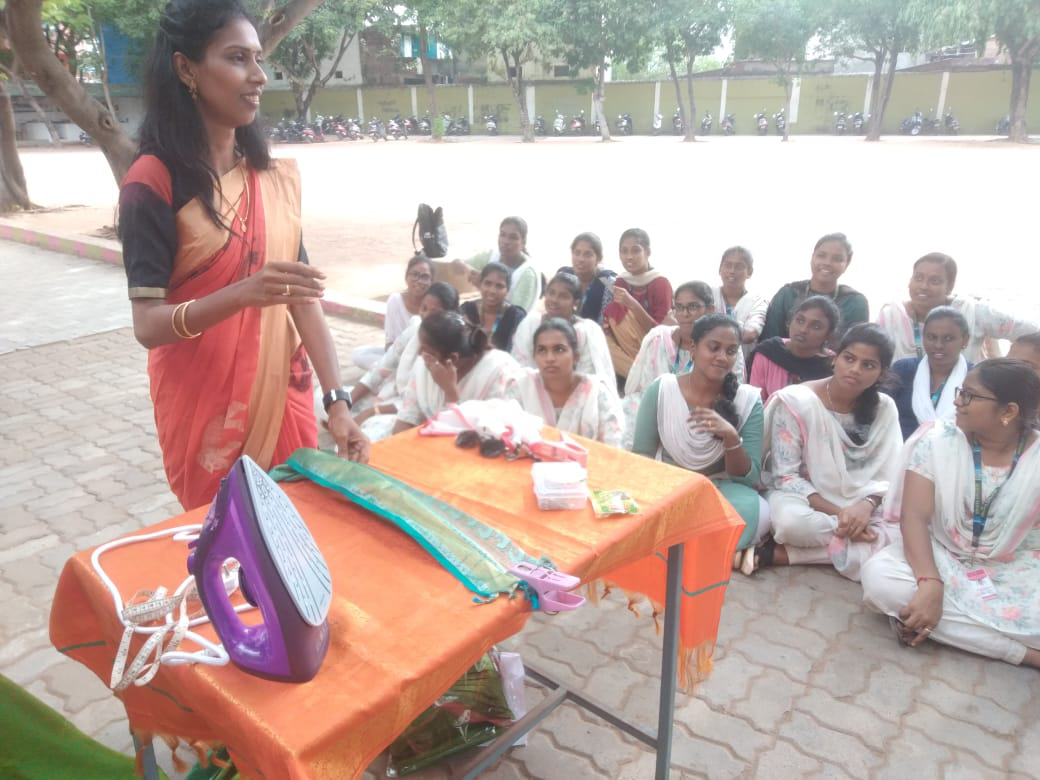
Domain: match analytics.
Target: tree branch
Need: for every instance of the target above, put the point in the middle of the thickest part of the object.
(277, 24)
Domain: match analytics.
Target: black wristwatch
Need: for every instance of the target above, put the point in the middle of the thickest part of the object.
(338, 394)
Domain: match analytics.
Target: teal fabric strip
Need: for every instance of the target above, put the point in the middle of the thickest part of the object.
(478, 555)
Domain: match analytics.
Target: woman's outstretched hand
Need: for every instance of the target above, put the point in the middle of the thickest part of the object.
(288, 283)
(351, 443)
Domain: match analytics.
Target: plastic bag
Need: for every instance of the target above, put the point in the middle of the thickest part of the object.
(471, 712)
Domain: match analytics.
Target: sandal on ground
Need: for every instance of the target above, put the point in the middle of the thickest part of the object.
(758, 557)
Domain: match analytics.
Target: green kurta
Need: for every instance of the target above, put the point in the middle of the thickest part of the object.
(739, 491)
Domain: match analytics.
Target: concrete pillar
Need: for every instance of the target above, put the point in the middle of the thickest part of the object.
(360, 107)
(415, 102)
(722, 101)
(796, 94)
(532, 106)
(943, 86)
(469, 92)
(866, 96)
(657, 99)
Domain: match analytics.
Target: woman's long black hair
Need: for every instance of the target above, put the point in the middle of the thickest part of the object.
(724, 405)
(172, 129)
(865, 410)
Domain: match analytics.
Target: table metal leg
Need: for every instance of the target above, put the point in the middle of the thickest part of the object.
(147, 754)
(669, 660)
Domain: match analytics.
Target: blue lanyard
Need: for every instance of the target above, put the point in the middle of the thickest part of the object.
(689, 363)
(498, 319)
(938, 394)
(981, 510)
(917, 338)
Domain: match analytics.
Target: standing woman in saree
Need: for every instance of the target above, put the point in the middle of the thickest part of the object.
(831, 444)
(642, 299)
(456, 364)
(222, 294)
(966, 571)
(705, 420)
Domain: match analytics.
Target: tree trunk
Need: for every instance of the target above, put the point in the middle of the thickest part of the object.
(688, 124)
(517, 83)
(678, 89)
(1021, 72)
(788, 89)
(431, 90)
(597, 100)
(874, 120)
(890, 80)
(24, 23)
(12, 73)
(278, 23)
(13, 191)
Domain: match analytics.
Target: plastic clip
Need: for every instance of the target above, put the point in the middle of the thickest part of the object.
(551, 587)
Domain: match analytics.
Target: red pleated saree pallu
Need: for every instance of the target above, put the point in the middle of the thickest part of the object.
(244, 385)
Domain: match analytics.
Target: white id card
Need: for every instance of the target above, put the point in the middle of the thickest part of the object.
(983, 584)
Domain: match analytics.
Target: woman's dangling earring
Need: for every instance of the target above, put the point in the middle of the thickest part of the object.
(193, 91)
(1004, 421)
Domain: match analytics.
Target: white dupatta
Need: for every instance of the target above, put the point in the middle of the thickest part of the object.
(840, 470)
(693, 449)
(592, 410)
(922, 396)
(490, 377)
(593, 352)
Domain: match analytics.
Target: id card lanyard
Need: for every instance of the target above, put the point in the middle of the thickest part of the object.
(981, 510)
(917, 338)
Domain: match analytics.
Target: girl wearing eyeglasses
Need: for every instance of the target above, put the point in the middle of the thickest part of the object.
(966, 570)
(830, 445)
(925, 385)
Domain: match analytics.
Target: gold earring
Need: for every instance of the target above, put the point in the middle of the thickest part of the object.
(193, 91)
(1004, 421)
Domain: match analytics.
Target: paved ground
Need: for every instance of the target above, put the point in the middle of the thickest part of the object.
(807, 683)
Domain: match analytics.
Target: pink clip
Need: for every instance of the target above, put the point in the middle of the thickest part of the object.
(551, 587)
(564, 450)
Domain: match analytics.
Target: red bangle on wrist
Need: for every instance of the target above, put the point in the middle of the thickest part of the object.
(925, 579)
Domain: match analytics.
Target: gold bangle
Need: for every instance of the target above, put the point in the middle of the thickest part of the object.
(173, 321)
(182, 330)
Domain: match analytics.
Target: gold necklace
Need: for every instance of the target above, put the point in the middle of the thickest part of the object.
(242, 218)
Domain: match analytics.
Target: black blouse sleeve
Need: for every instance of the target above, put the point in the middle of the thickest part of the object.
(147, 227)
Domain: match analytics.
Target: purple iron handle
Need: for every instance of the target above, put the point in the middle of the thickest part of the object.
(551, 587)
(284, 646)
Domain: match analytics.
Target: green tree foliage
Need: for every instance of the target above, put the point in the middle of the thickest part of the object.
(687, 30)
(880, 29)
(777, 31)
(1015, 23)
(594, 34)
(517, 32)
(310, 54)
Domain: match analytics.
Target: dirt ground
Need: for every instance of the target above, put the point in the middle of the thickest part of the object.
(972, 198)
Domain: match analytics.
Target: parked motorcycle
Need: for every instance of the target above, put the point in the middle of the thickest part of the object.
(353, 126)
(491, 124)
(729, 124)
(624, 124)
(395, 129)
(458, 126)
(913, 124)
(539, 125)
(859, 122)
(657, 124)
(1004, 125)
(559, 124)
(577, 124)
(950, 124)
(841, 123)
(762, 123)
(706, 123)
(780, 121)
(376, 129)
(931, 125)
(678, 126)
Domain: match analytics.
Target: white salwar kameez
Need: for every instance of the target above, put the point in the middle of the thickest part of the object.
(593, 353)
(593, 409)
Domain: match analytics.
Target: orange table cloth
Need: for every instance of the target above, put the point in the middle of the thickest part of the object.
(403, 629)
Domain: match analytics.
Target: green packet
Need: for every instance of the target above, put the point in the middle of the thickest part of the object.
(613, 502)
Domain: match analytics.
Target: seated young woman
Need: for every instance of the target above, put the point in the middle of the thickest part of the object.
(1027, 349)
(456, 364)
(931, 284)
(378, 393)
(830, 260)
(732, 296)
(492, 312)
(642, 299)
(562, 296)
(779, 362)
(830, 444)
(525, 286)
(597, 283)
(400, 308)
(704, 420)
(969, 579)
(925, 387)
(561, 395)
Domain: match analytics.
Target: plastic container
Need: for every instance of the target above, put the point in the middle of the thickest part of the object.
(560, 485)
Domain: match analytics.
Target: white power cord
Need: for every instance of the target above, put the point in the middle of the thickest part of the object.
(160, 606)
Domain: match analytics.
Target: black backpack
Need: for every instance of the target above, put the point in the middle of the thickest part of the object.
(429, 224)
